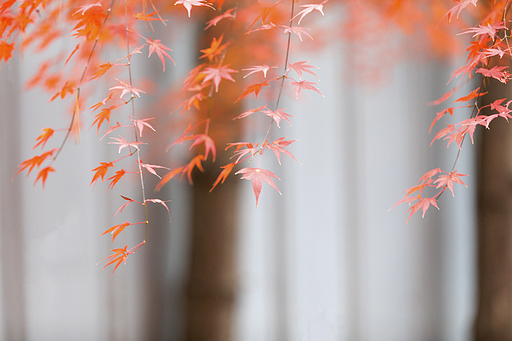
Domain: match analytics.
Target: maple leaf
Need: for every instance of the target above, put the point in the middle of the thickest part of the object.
(159, 48)
(103, 115)
(126, 89)
(151, 168)
(214, 50)
(300, 67)
(168, 177)
(304, 85)
(120, 209)
(447, 180)
(472, 95)
(262, 68)
(189, 3)
(84, 8)
(148, 17)
(43, 138)
(278, 147)
(6, 50)
(123, 143)
(244, 148)
(250, 112)
(489, 30)
(256, 88)
(217, 19)
(141, 123)
(195, 162)
(194, 100)
(277, 115)
(209, 145)
(116, 229)
(224, 174)
(424, 204)
(118, 175)
(43, 174)
(498, 72)
(103, 68)
(308, 9)
(68, 88)
(120, 255)
(161, 202)
(101, 170)
(296, 30)
(439, 115)
(458, 8)
(35, 161)
(264, 13)
(111, 129)
(257, 175)
(217, 74)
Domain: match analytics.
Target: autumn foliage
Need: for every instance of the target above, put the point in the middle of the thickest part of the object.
(249, 57)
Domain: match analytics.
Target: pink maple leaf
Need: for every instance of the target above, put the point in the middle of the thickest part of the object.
(126, 89)
(458, 8)
(498, 72)
(448, 180)
(300, 67)
(209, 145)
(123, 143)
(159, 48)
(85, 8)
(257, 175)
(278, 147)
(217, 19)
(151, 168)
(262, 68)
(161, 202)
(299, 31)
(424, 204)
(304, 85)
(141, 123)
(277, 115)
(489, 30)
(217, 74)
(189, 3)
(308, 9)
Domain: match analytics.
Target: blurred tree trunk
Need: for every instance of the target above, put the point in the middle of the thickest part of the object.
(494, 160)
(212, 280)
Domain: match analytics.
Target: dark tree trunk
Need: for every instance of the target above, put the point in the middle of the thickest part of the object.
(494, 317)
(212, 280)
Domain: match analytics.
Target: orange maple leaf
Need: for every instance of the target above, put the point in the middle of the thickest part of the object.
(118, 175)
(36, 161)
(224, 174)
(256, 88)
(101, 171)
(120, 255)
(43, 174)
(168, 177)
(214, 50)
(43, 138)
(115, 230)
(103, 115)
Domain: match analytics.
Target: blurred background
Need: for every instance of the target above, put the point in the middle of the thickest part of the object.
(326, 260)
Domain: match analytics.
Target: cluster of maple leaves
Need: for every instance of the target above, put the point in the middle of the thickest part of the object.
(96, 25)
(490, 40)
(117, 23)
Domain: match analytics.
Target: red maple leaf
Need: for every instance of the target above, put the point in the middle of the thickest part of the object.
(257, 175)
